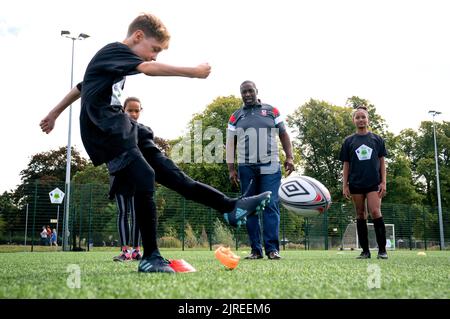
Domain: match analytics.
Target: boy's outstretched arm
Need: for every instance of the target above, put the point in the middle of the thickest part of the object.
(159, 69)
(48, 123)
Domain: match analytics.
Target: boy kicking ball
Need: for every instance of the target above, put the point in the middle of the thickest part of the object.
(110, 136)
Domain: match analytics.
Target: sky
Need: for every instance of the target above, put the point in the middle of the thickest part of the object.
(394, 53)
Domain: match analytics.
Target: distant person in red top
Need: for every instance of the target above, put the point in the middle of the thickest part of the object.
(49, 235)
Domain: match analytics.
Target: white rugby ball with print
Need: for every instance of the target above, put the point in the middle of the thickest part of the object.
(304, 195)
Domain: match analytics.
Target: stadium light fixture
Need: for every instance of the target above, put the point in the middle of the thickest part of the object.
(438, 187)
(81, 36)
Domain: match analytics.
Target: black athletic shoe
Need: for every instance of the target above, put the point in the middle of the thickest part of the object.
(155, 263)
(254, 256)
(382, 255)
(246, 206)
(364, 255)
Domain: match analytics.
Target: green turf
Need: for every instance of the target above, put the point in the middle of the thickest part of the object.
(300, 274)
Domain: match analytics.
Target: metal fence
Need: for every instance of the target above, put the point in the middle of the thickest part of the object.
(183, 224)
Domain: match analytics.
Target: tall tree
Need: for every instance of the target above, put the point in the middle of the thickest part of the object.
(45, 171)
(377, 123)
(52, 165)
(47, 168)
(424, 160)
(9, 213)
(320, 129)
(206, 130)
(400, 185)
(91, 174)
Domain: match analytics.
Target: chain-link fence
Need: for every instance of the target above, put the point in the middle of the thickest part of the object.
(183, 224)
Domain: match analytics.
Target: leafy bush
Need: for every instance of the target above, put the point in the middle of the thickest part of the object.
(169, 242)
(2, 226)
(190, 240)
(203, 240)
(170, 231)
(222, 235)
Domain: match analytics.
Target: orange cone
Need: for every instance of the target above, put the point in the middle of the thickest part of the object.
(226, 257)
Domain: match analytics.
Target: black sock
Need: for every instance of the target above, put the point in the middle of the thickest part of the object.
(146, 219)
(380, 233)
(363, 234)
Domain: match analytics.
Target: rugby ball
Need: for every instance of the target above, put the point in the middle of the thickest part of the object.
(304, 195)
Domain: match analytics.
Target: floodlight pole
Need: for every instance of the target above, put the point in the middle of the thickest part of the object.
(65, 234)
(438, 187)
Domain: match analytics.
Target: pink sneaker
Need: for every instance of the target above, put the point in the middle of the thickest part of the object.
(124, 256)
(136, 254)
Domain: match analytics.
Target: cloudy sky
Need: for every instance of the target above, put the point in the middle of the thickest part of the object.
(395, 53)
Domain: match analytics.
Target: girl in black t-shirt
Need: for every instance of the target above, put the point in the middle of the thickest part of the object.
(364, 179)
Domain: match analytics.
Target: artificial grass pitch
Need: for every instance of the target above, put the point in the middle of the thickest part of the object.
(299, 275)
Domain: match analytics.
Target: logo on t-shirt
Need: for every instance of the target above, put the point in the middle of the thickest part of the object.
(364, 152)
(117, 89)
